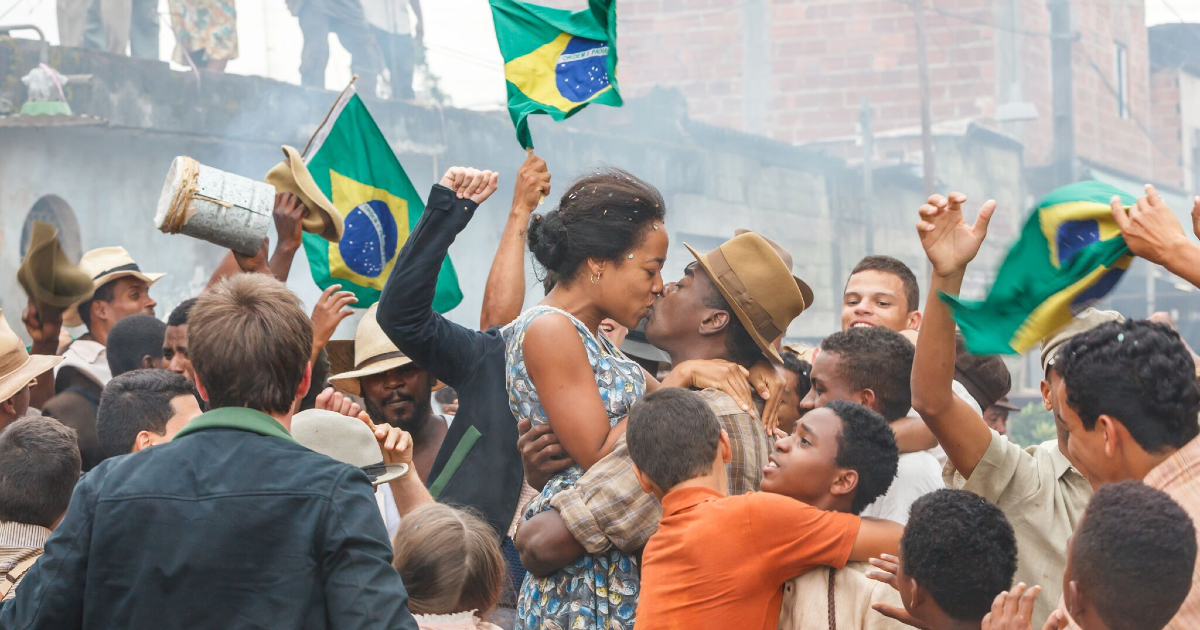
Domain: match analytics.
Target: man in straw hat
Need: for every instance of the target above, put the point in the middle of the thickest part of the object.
(121, 290)
(731, 304)
(18, 371)
(232, 522)
(394, 390)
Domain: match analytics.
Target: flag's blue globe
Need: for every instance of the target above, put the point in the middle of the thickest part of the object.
(582, 69)
(369, 238)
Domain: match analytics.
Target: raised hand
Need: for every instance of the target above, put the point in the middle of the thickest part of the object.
(471, 183)
(1150, 228)
(331, 309)
(289, 216)
(332, 400)
(1196, 216)
(533, 184)
(44, 324)
(949, 242)
(256, 263)
(1012, 610)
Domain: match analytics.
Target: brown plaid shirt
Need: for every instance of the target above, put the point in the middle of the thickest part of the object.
(607, 507)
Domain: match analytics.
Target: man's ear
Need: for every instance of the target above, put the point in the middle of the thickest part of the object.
(8, 407)
(846, 482)
(1116, 436)
(644, 481)
(914, 320)
(867, 398)
(1074, 600)
(200, 388)
(143, 440)
(715, 323)
(918, 595)
(724, 448)
(149, 362)
(1046, 395)
(100, 310)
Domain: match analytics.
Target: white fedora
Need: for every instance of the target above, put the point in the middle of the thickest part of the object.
(104, 265)
(348, 440)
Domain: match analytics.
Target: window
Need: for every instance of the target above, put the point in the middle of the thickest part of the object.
(1122, 82)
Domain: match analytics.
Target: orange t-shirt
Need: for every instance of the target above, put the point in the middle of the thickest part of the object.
(721, 562)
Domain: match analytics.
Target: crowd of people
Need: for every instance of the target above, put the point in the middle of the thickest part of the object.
(628, 453)
(381, 35)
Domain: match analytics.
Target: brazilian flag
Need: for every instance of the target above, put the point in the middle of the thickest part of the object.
(1070, 255)
(556, 62)
(355, 167)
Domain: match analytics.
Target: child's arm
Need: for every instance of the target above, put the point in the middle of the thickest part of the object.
(566, 385)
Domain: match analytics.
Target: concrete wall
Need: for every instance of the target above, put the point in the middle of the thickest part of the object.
(111, 174)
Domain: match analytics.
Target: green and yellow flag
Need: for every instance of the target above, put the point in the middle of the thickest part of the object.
(1070, 255)
(355, 167)
(556, 62)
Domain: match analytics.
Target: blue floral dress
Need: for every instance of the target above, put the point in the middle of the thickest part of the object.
(596, 592)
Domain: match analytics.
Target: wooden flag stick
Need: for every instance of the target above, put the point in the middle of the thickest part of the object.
(329, 113)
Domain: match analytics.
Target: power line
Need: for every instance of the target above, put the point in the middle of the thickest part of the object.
(14, 5)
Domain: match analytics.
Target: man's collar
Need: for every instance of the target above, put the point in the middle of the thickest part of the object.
(1062, 465)
(686, 498)
(239, 418)
(22, 535)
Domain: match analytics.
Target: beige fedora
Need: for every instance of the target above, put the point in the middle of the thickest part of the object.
(374, 353)
(47, 275)
(17, 367)
(104, 265)
(757, 284)
(805, 290)
(292, 176)
(346, 439)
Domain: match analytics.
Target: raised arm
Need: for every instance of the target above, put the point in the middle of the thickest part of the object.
(505, 290)
(950, 244)
(445, 349)
(1153, 232)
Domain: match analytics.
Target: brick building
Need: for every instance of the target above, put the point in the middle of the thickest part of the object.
(798, 70)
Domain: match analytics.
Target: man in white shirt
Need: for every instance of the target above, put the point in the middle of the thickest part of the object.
(398, 36)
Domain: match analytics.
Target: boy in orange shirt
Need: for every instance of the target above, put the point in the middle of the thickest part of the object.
(718, 561)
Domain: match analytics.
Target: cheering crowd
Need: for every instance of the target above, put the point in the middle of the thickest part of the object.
(631, 452)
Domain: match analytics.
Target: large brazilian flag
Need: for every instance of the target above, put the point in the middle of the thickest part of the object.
(355, 167)
(556, 62)
(1070, 254)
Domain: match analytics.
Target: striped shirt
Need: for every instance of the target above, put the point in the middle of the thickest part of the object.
(607, 507)
(1179, 477)
(18, 542)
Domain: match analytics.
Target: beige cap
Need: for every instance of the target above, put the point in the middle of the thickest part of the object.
(348, 440)
(1083, 322)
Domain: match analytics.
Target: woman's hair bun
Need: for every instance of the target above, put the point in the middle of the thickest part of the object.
(548, 240)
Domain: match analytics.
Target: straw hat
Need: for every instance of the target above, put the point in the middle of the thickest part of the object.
(348, 440)
(805, 290)
(47, 275)
(374, 353)
(104, 265)
(17, 366)
(292, 176)
(759, 287)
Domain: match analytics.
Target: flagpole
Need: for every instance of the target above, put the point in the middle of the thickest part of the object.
(328, 114)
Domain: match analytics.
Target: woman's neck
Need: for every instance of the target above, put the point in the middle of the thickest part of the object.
(578, 303)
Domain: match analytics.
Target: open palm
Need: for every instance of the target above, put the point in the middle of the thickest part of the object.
(949, 242)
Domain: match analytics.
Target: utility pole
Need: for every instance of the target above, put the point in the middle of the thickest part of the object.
(1062, 82)
(868, 148)
(926, 115)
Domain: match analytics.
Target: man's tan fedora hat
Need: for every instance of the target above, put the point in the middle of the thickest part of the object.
(758, 286)
(348, 440)
(47, 275)
(805, 290)
(292, 176)
(374, 353)
(104, 265)
(17, 367)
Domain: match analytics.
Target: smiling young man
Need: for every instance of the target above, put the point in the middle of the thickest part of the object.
(882, 291)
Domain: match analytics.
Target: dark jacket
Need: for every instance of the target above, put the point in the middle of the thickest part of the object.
(478, 464)
(231, 525)
(75, 406)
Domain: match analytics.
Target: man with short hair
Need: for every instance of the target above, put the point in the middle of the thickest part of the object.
(882, 291)
(19, 370)
(39, 465)
(285, 537)
(394, 390)
(175, 341)
(135, 343)
(996, 416)
(143, 408)
(121, 290)
(871, 366)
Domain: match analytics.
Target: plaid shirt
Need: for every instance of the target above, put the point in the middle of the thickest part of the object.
(1179, 476)
(607, 507)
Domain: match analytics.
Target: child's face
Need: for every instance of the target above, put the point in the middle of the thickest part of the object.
(804, 464)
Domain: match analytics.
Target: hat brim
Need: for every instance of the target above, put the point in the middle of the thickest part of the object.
(292, 176)
(348, 381)
(37, 365)
(394, 471)
(71, 317)
(763, 344)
